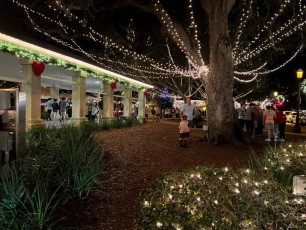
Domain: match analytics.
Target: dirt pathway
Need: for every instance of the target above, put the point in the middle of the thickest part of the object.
(135, 158)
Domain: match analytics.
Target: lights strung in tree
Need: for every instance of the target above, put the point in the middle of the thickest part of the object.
(152, 70)
(95, 58)
(107, 42)
(193, 26)
(243, 21)
(242, 95)
(289, 28)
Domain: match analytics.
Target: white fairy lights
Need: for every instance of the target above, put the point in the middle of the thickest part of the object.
(150, 70)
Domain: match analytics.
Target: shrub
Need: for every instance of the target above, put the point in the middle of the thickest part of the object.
(282, 163)
(206, 198)
(22, 206)
(79, 164)
(60, 164)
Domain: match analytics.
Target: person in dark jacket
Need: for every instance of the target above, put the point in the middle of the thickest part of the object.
(55, 108)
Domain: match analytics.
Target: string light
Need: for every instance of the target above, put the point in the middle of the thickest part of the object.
(150, 70)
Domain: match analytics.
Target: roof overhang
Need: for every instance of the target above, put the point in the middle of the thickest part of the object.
(22, 49)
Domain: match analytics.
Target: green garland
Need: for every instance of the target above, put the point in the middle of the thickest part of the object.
(29, 54)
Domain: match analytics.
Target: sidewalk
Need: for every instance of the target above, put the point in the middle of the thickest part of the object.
(56, 123)
(289, 130)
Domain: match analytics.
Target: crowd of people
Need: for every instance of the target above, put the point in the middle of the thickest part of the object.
(59, 108)
(190, 116)
(158, 113)
(253, 120)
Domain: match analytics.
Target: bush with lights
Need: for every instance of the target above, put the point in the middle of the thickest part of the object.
(282, 163)
(211, 198)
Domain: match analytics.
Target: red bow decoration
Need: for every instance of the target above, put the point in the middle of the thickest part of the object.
(114, 85)
(38, 68)
(145, 92)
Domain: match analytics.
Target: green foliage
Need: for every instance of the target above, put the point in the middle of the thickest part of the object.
(44, 115)
(121, 122)
(60, 164)
(79, 165)
(282, 163)
(22, 206)
(130, 121)
(38, 140)
(207, 198)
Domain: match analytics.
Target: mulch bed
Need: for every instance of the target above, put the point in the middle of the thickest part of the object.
(135, 158)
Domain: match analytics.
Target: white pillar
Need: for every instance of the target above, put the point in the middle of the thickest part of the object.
(32, 90)
(141, 106)
(127, 104)
(54, 93)
(108, 101)
(78, 98)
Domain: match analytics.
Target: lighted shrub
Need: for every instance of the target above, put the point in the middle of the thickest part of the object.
(206, 198)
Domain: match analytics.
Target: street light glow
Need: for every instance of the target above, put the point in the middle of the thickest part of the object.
(299, 73)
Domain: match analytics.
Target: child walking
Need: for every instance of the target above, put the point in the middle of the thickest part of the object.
(184, 131)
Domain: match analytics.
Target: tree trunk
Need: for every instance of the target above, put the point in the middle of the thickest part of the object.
(219, 82)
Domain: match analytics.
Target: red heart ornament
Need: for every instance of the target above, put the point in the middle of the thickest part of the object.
(114, 85)
(38, 68)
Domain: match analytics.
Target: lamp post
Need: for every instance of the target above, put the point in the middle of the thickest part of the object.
(297, 127)
(275, 98)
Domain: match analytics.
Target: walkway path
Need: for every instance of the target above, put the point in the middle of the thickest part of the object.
(135, 158)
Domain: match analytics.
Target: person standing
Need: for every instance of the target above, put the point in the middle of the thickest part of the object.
(260, 123)
(158, 113)
(69, 108)
(268, 118)
(248, 119)
(55, 108)
(255, 117)
(97, 111)
(281, 120)
(177, 112)
(153, 114)
(241, 115)
(188, 110)
(146, 114)
(184, 132)
(49, 109)
(63, 107)
(89, 111)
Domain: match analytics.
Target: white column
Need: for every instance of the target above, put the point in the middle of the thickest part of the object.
(78, 98)
(127, 104)
(108, 101)
(32, 90)
(141, 106)
(54, 93)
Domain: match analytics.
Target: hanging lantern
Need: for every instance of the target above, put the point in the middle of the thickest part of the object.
(114, 85)
(38, 68)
